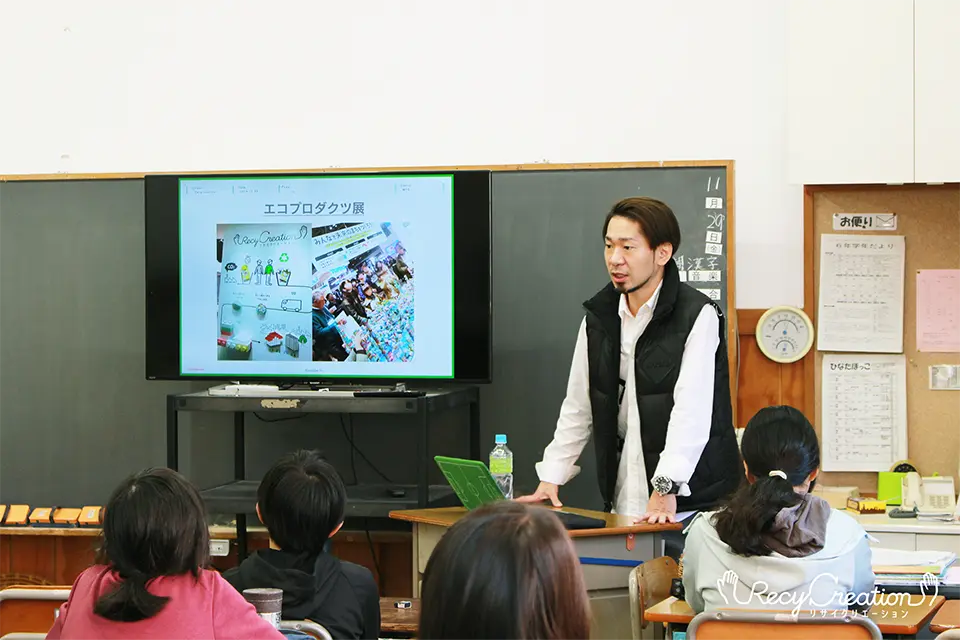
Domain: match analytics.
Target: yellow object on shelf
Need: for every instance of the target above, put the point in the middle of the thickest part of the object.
(866, 505)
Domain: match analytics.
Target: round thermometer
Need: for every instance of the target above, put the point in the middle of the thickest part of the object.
(784, 334)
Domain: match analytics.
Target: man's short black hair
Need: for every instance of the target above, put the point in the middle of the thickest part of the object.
(657, 221)
(301, 500)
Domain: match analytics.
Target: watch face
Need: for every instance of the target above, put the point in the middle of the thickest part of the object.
(662, 485)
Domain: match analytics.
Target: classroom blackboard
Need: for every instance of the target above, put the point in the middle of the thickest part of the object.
(568, 207)
(77, 414)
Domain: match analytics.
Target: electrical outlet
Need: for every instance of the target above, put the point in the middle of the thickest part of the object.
(219, 547)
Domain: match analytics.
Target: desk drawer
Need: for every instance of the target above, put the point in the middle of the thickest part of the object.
(901, 541)
(938, 542)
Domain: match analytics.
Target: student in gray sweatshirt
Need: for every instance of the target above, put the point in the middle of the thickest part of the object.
(775, 545)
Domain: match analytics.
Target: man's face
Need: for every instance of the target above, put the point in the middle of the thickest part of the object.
(631, 262)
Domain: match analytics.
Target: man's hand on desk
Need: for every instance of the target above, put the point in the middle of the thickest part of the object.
(546, 491)
(660, 509)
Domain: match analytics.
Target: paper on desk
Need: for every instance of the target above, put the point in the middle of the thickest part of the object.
(864, 412)
(900, 557)
(938, 310)
(884, 557)
(953, 576)
(861, 293)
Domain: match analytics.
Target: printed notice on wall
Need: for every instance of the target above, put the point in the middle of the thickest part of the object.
(864, 412)
(864, 222)
(861, 293)
(938, 310)
(945, 377)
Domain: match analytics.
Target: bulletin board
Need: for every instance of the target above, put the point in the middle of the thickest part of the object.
(928, 216)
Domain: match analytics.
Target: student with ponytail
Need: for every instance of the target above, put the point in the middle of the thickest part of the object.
(149, 579)
(775, 545)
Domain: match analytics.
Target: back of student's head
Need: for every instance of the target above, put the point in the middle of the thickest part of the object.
(505, 570)
(301, 501)
(779, 440)
(153, 525)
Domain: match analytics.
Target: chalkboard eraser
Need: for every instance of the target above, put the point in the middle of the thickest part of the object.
(90, 517)
(66, 516)
(17, 515)
(42, 516)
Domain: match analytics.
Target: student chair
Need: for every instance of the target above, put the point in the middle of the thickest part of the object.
(306, 629)
(649, 584)
(749, 625)
(30, 609)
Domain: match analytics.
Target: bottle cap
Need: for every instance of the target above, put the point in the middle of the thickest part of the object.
(500, 438)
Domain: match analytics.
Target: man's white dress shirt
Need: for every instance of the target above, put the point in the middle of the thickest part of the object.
(687, 430)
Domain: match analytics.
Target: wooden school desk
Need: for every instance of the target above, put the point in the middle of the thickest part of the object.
(399, 622)
(892, 619)
(607, 555)
(948, 617)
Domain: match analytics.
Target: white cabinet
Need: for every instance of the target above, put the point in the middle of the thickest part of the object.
(850, 70)
(939, 542)
(901, 541)
(937, 86)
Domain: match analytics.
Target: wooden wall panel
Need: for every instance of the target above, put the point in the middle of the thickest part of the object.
(759, 381)
(34, 556)
(73, 555)
(762, 382)
(57, 559)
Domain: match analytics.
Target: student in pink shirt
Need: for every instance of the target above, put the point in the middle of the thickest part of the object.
(149, 581)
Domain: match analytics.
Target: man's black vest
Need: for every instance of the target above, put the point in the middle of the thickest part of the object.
(657, 355)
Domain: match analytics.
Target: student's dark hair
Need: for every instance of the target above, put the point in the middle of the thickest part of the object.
(302, 500)
(776, 439)
(505, 570)
(657, 221)
(153, 525)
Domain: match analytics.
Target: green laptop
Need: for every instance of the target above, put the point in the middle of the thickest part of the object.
(473, 484)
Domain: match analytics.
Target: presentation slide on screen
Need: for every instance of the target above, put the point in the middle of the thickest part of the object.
(317, 276)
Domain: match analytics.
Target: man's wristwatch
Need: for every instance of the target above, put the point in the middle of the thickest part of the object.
(665, 486)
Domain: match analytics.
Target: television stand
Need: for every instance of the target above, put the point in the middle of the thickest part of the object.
(239, 495)
(238, 390)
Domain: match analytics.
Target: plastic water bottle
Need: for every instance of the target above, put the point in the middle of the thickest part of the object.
(501, 466)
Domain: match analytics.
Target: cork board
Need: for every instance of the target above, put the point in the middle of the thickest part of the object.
(929, 219)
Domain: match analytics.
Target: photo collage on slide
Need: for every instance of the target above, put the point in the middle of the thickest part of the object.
(298, 292)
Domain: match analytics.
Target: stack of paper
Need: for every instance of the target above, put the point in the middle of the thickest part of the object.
(953, 576)
(896, 567)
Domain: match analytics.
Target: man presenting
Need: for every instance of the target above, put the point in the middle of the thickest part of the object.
(650, 379)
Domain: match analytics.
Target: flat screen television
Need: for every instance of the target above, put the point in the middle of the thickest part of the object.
(312, 278)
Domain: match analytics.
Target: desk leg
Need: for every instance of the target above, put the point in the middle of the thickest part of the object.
(173, 434)
(426, 537)
(239, 473)
(415, 556)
